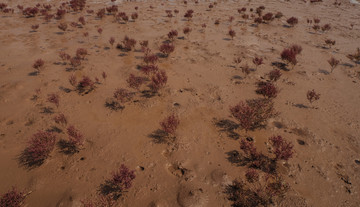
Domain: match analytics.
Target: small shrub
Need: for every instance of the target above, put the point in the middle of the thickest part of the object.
(63, 26)
(278, 15)
(81, 53)
(120, 181)
(232, 33)
(112, 41)
(34, 27)
(282, 149)
(312, 96)
(60, 119)
(249, 149)
(258, 61)
(13, 198)
(75, 62)
(268, 17)
(189, 14)
(60, 13)
(245, 69)
(73, 81)
(64, 56)
(333, 63)
(104, 75)
(355, 57)
(289, 56)
(330, 42)
(217, 22)
(38, 65)
(292, 21)
(326, 27)
(167, 48)
(151, 59)
(123, 95)
(76, 139)
(128, 43)
(100, 13)
(172, 35)
(144, 43)
(274, 75)
(252, 175)
(30, 12)
(86, 84)
(54, 98)
(253, 113)
(39, 147)
(296, 49)
(149, 69)
(135, 81)
(267, 89)
(158, 80)
(100, 30)
(187, 31)
(82, 20)
(170, 124)
(134, 16)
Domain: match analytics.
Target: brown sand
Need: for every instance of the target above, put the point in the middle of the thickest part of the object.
(203, 83)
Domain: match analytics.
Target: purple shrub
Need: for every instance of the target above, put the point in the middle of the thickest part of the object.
(252, 175)
(253, 113)
(170, 124)
(60, 119)
(135, 81)
(172, 35)
(123, 95)
(274, 75)
(167, 48)
(282, 149)
(38, 148)
(151, 59)
(13, 198)
(258, 61)
(127, 43)
(292, 21)
(64, 56)
(75, 137)
(158, 80)
(289, 56)
(112, 41)
(267, 89)
(120, 181)
(232, 33)
(54, 98)
(333, 63)
(312, 96)
(38, 65)
(149, 69)
(63, 26)
(81, 53)
(249, 149)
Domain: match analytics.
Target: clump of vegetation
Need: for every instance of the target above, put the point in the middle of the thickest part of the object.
(258, 61)
(172, 34)
(63, 26)
(281, 148)
(292, 21)
(13, 198)
(232, 33)
(253, 113)
(167, 48)
(38, 65)
(38, 148)
(135, 81)
(127, 44)
(333, 63)
(312, 96)
(54, 98)
(170, 124)
(120, 181)
(355, 57)
(158, 80)
(274, 75)
(267, 89)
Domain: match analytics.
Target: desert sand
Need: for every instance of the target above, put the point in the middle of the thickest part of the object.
(196, 166)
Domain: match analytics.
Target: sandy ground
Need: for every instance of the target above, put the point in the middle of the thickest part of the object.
(203, 82)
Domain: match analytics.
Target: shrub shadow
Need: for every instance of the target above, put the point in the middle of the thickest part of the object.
(228, 126)
(67, 148)
(161, 137)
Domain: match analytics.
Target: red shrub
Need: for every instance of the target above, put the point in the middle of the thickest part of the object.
(134, 15)
(35, 27)
(86, 83)
(268, 17)
(54, 98)
(252, 175)
(282, 149)
(73, 81)
(274, 75)
(63, 26)
(120, 181)
(112, 9)
(186, 30)
(82, 20)
(289, 56)
(81, 53)
(296, 49)
(13, 198)
(170, 124)
(38, 65)
(151, 59)
(232, 33)
(326, 27)
(30, 12)
(149, 69)
(123, 95)
(333, 63)
(158, 80)
(172, 34)
(330, 42)
(292, 21)
(278, 15)
(40, 146)
(258, 61)
(60, 13)
(258, 20)
(267, 89)
(104, 75)
(100, 13)
(75, 62)
(245, 69)
(144, 43)
(189, 14)
(167, 48)
(135, 81)
(355, 56)
(75, 137)
(249, 149)
(100, 31)
(64, 56)
(128, 43)
(312, 96)
(60, 119)
(253, 113)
